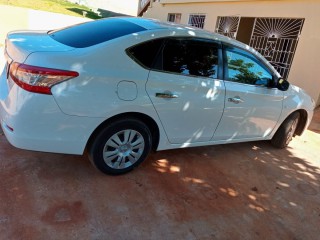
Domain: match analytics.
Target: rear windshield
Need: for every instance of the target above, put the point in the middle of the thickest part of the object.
(95, 32)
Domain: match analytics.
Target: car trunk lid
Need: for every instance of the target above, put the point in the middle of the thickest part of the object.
(20, 44)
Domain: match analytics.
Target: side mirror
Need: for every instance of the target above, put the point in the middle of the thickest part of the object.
(283, 84)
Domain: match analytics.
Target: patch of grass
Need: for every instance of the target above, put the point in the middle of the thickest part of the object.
(57, 6)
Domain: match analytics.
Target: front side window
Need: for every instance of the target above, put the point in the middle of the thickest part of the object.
(174, 17)
(190, 57)
(197, 20)
(244, 68)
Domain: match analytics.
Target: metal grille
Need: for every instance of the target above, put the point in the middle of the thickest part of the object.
(279, 52)
(228, 26)
(276, 39)
(197, 20)
(278, 27)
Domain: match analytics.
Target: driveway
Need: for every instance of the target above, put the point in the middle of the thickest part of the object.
(236, 191)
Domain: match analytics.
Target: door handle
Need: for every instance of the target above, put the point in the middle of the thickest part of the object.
(235, 100)
(166, 95)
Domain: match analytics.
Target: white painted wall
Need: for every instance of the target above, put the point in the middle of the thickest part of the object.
(305, 67)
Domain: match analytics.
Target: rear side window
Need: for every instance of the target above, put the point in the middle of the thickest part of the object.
(146, 52)
(95, 32)
(190, 57)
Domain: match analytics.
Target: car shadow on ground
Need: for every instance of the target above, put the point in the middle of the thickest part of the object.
(247, 185)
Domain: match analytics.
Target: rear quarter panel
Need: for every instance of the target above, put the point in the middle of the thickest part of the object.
(101, 68)
(94, 92)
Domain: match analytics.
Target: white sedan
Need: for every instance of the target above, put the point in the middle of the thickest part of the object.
(120, 87)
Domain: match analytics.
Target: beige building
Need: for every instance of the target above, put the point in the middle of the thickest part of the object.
(286, 32)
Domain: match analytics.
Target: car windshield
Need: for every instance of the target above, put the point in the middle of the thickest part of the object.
(95, 32)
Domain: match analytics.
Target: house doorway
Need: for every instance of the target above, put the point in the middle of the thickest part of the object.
(275, 38)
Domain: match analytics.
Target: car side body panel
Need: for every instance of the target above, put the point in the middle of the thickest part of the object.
(194, 113)
(255, 115)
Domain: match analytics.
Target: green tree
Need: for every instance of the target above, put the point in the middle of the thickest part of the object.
(244, 75)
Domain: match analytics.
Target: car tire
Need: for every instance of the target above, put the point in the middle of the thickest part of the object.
(120, 147)
(286, 131)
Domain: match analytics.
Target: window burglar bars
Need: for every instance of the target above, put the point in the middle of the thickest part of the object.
(197, 20)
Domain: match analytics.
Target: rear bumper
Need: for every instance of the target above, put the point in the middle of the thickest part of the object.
(35, 122)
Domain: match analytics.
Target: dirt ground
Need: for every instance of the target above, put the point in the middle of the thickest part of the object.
(236, 191)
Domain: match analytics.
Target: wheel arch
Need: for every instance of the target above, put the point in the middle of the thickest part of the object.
(149, 121)
(302, 121)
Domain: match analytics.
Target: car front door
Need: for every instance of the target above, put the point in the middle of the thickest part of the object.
(253, 105)
(185, 89)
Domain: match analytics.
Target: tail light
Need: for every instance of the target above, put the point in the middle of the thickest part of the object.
(38, 79)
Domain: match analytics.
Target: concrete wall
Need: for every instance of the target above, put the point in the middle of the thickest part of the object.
(16, 18)
(128, 7)
(305, 67)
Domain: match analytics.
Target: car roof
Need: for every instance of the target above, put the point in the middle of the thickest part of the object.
(154, 24)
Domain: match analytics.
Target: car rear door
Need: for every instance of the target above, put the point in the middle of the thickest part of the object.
(185, 89)
(253, 105)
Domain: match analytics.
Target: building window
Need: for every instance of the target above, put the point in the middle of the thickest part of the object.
(228, 26)
(197, 20)
(174, 17)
